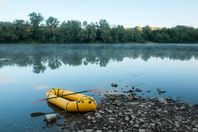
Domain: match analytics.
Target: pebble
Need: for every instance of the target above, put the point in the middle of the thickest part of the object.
(126, 118)
(98, 115)
(88, 117)
(89, 130)
(102, 112)
(142, 130)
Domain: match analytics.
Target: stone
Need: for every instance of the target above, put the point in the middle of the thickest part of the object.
(142, 130)
(114, 84)
(163, 101)
(195, 130)
(177, 124)
(161, 91)
(51, 118)
(120, 113)
(109, 111)
(88, 117)
(136, 125)
(138, 90)
(141, 120)
(133, 117)
(131, 122)
(98, 115)
(130, 91)
(126, 118)
(89, 130)
(102, 112)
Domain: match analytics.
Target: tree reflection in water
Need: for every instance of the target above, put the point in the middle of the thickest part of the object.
(53, 56)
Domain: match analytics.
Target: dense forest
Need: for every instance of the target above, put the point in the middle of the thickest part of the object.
(36, 30)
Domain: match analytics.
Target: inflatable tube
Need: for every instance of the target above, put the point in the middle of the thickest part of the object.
(71, 103)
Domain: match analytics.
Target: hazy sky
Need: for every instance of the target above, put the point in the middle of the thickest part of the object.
(129, 13)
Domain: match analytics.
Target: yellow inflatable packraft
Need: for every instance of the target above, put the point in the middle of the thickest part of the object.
(71, 103)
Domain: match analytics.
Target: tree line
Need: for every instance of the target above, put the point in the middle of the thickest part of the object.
(52, 31)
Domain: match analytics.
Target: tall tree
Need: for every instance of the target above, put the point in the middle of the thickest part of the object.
(35, 21)
(104, 31)
(51, 29)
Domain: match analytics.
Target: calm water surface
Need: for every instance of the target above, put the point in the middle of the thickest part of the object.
(28, 71)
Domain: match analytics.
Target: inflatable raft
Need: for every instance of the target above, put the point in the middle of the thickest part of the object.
(71, 103)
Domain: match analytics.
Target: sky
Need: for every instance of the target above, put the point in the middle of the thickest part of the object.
(130, 13)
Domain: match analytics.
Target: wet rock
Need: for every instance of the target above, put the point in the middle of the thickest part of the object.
(130, 91)
(148, 91)
(50, 119)
(138, 90)
(114, 85)
(161, 91)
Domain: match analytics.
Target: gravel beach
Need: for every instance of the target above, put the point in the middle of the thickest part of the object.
(129, 112)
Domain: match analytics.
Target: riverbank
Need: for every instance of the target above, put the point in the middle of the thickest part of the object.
(134, 113)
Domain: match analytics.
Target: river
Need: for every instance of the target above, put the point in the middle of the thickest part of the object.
(27, 71)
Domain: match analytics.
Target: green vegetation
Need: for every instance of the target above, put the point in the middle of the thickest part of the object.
(52, 31)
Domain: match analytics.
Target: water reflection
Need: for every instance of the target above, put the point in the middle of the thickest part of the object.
(41, 57)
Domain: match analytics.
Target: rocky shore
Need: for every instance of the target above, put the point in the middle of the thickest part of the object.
(119, 112)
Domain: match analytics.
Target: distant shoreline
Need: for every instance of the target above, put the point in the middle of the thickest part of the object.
(72, 31)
